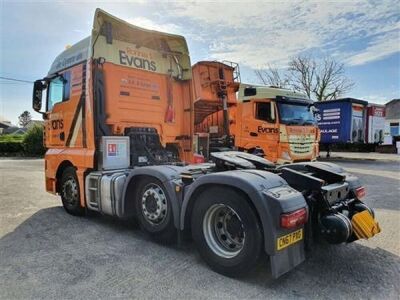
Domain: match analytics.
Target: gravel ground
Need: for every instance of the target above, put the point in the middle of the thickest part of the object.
(46, 253)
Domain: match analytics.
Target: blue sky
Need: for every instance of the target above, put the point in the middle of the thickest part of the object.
(362, 34)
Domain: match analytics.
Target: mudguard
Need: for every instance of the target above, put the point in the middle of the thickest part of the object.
(166, 175)
(271, 196)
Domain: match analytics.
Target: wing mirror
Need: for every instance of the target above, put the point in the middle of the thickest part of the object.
(38, 87)
(313, 109)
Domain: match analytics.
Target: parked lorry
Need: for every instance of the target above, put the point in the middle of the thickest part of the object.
(375, 126)
(119, 128)
(276, 123)
(342, 120)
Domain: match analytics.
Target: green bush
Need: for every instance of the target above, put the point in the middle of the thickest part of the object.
(11, 146)
(11, 138)
(33, 141)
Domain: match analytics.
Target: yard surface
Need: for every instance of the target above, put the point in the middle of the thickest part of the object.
(46, 253)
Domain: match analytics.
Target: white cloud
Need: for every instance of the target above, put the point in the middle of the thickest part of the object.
(257, 33)
(374, 98)
(153, 25)
(379, 48)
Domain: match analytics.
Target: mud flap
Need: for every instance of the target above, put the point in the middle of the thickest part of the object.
(285, 260)
(364, 225)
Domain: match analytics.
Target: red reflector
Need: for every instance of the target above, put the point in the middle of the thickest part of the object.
(294, 219)
(198, 158)
(360, 192)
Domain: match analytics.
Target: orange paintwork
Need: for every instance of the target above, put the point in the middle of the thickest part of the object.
(137, 98)
(134, 98)
(79, 155)
(248, 131)
(208, 79)
(247, 125)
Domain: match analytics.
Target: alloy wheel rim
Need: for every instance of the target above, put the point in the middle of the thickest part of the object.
(154, 204)
(70, 191)
(223, 231)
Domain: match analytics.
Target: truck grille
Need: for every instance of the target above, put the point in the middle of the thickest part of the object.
(301, 144)
(301, 148)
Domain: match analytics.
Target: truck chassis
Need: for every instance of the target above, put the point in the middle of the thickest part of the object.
(235, 208)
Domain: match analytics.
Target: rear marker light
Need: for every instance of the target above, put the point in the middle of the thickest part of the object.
(294, 219)
(198, 158)
(360, 192)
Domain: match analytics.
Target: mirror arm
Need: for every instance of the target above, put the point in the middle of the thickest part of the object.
(44, 115)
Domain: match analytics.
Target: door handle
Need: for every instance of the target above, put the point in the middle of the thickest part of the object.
(253, 134)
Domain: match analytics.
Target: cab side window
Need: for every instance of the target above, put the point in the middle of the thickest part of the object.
(59, 90)
(67, 86)
(265, 112)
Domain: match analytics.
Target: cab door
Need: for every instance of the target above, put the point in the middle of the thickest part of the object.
(64, 109)
(260, 127)
(56, 95)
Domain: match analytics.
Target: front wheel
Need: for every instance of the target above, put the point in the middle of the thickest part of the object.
(70, 193)
(226, 231)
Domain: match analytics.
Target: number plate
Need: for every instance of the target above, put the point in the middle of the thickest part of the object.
(289, 239)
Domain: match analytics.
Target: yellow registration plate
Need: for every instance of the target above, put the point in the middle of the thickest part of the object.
(289, 239)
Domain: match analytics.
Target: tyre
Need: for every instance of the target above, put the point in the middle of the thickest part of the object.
(70, 192)
(226, 231)
(154, 210)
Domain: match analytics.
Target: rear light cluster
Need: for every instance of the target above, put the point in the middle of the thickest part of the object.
(360, 192)
(294, 218)
(198, 158)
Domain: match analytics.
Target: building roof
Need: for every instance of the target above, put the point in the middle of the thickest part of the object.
(392, 109)
(5, 124)
(14, 130)
(392, 101)
(351, 100)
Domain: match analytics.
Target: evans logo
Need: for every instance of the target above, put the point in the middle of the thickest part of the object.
(137, 62)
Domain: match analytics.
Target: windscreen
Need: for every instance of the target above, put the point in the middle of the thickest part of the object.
(295, 114)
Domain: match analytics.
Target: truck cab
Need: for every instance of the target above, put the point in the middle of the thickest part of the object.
(278, 121)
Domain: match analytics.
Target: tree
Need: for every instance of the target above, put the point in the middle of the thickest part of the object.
(301, 73)
(319, 79)
(33, 141)
(24, 118)
(272, 77)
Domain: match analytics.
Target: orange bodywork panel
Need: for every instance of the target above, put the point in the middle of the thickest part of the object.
(134, 98)
(69, 131)
(137, 98)
(210, 80)
(142, 80)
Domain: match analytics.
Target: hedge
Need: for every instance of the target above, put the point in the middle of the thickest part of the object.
(11, 138)
(11, 147)
(29, 144)
(33, 141)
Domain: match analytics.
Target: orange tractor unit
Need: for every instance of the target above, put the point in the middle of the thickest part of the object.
(275, 123)
(125, 118)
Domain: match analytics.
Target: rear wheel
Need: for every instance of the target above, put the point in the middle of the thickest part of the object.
(226, 231)
(70, 193)
(154, 210)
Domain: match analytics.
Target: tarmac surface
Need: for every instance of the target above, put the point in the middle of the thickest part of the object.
(46, 253)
